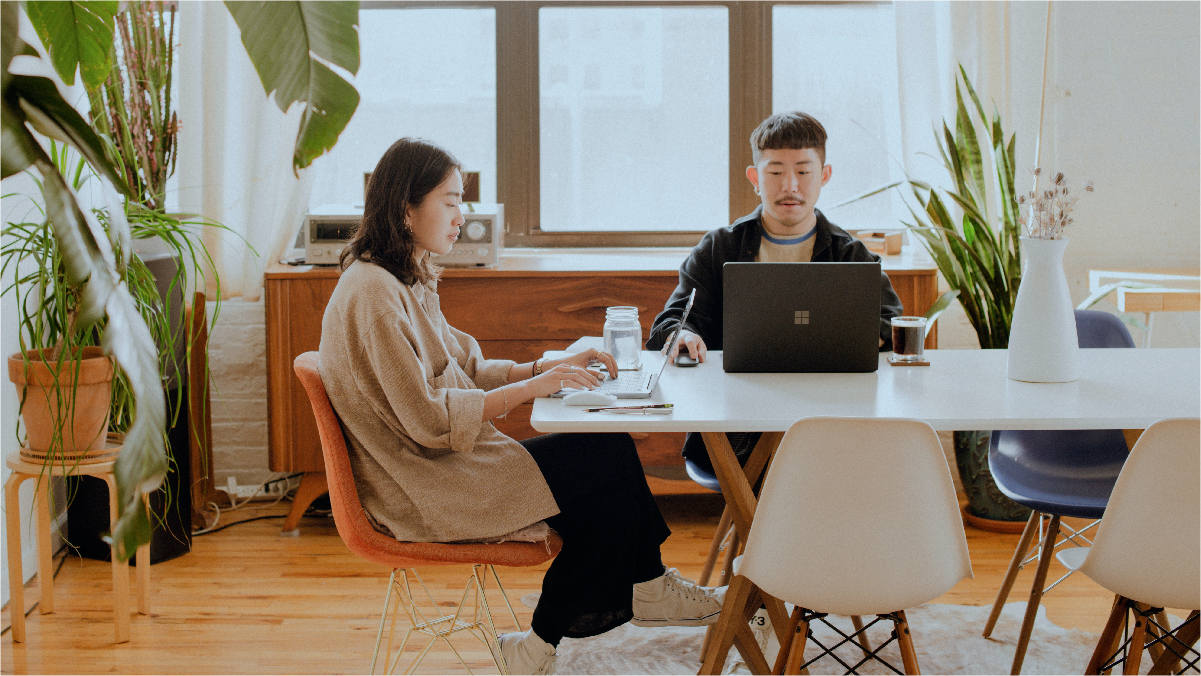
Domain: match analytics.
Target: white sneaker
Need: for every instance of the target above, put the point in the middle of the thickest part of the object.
(765, 636)
(527, 654)
(672, 600)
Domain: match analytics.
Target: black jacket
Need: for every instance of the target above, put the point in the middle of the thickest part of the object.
(739, 242)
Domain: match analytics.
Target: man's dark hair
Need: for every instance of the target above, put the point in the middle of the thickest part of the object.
(409, 171)
(790, 131)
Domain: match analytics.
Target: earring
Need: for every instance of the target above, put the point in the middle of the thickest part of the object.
(756, 190)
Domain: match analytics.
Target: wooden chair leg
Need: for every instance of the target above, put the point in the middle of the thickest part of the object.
(1185, 636)
(1109, 636)
(719, 536)
(786, 647)
(733, 615)
(1036, 593)
(1138, 639)
(312, 486)
(865, 644)
(1156, 648)
(1012, 573)
(732, 552)
(905, 641)
(791, 662)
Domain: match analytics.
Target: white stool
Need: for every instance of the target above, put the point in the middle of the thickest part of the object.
(22, 470)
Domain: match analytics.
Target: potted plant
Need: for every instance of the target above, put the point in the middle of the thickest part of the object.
(973, 233)
(95, 260)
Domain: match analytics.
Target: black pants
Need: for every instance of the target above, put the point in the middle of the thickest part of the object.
(611, 529)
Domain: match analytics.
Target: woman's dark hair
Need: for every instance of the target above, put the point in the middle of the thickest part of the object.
(411, 169)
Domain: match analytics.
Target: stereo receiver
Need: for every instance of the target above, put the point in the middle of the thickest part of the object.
(326, 230)
(481, 238)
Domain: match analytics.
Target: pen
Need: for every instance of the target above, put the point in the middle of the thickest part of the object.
(640, 411)
(630, 408)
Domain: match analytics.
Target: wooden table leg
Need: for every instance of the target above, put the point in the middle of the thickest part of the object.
(312, 486)
(734, 485)
(16, 578)
(120, 571)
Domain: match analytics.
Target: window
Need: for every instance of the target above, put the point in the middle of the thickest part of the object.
(621, 124)
(839, 64)
(634, 118)
(411, 84)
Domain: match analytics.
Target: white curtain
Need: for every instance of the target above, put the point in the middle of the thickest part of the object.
(999, 44)
(235, 152)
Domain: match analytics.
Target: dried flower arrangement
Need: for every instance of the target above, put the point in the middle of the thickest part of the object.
(1051, 209)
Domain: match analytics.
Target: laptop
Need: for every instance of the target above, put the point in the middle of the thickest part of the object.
(637, 384)
(801, 317)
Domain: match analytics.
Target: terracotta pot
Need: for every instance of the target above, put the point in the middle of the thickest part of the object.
(48, 402)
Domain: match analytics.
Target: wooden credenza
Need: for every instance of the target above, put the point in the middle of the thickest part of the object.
(536, 300)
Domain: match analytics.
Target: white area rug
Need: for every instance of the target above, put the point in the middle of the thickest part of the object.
(947, 639)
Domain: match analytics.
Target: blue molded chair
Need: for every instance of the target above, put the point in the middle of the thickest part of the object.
(1056, 473)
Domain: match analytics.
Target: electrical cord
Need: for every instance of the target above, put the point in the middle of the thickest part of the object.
(61, 561)
(253, 518)
(235, 506)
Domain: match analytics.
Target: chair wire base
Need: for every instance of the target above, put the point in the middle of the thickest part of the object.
(427, 619)
(803, 619)
(1146, 628)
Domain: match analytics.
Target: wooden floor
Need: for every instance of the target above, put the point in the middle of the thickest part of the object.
(247, 600)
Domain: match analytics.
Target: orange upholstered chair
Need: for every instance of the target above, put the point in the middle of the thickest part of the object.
(403, 557)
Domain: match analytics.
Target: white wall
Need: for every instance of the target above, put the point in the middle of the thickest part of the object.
(1124, 110)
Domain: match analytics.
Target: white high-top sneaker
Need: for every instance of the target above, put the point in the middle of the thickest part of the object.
(527, 654)
(672, 600)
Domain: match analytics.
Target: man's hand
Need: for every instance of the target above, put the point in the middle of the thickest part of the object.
(690, 342)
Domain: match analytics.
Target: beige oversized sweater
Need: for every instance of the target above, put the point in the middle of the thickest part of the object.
(409, 390)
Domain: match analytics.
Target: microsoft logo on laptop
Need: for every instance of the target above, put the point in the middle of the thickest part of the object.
(800, 317)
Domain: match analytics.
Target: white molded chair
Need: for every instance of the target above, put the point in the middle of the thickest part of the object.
(1148, 551)
(857, 516)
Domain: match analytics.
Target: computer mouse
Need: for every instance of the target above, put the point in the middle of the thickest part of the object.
(683, 359)
(589, 398)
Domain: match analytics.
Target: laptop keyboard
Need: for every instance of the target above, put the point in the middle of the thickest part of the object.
(627, 381)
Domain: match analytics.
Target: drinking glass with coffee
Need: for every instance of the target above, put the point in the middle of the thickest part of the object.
(908, 338)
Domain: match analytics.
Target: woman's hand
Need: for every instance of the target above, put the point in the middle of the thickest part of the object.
(591, 357)
(562, 376)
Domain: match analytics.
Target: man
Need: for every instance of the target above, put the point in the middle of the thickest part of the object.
(789, 170)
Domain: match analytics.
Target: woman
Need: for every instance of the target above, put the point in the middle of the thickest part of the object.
(415, 397)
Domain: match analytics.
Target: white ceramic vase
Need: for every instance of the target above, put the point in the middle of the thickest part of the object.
(1043, 347)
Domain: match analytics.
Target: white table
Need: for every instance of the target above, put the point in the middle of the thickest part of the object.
(960, 390)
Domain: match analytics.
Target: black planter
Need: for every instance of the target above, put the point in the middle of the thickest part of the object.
(985, 500)
(170, 506)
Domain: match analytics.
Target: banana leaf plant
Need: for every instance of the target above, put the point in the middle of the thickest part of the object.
(282, 40)
(979, 251)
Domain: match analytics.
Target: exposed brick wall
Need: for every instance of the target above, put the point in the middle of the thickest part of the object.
(238, 361)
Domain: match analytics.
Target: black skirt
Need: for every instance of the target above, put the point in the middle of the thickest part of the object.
(611, 529)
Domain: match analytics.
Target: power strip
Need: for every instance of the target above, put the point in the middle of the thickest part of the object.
(267, 491)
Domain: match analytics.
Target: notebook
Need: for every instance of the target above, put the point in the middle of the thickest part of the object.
(637, 384)
(801, 317)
